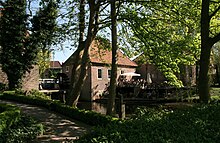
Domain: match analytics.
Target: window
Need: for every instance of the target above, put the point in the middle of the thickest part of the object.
(122, 71)
(67, 68)
(109, 73)
(100, 73)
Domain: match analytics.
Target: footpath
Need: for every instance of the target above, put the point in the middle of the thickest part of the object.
(57, 128)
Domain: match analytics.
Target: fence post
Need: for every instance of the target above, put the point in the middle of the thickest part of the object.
(121, 107)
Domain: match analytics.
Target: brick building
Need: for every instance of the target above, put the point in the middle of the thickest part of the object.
(98, 74)
(30, 81)
(54, 68)
(187, 74)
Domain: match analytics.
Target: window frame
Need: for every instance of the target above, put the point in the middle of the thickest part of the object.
(99, 69)
(109, 73)
(67, 68)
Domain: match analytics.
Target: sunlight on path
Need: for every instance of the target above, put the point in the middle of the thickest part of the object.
(58, 128)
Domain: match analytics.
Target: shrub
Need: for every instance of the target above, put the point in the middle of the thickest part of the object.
(88, 117)
(2, 87)
(11, 95)
(37, 94)
(15, 127)
(9, 115)
(24, 130)
(198, 124)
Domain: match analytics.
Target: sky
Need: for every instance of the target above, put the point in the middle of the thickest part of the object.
(62, 55)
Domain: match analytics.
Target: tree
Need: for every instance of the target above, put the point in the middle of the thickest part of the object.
(44, 26)
(19, 46)
(164, 32)
(113, 80)
(209, 36)
(44, 32)
(79, 69)
(16, 52)
(43, 61)
(216, 61)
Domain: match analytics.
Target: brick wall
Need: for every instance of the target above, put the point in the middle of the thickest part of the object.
(30, 81)
(98, 85)
(156, 76)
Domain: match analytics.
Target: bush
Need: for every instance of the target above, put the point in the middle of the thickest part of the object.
(9, 115)
(88, 117)
(199, 124)
(15, 127)
(34, 100)
(2, 87)
(24, 130)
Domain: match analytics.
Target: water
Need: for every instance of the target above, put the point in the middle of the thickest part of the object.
(131, 107)
(93, 106)
(102, 107)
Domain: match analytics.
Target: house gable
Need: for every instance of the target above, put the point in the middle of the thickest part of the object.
(98, 71)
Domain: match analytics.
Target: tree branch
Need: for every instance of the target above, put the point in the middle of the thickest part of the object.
(215, 39)
(214, 12)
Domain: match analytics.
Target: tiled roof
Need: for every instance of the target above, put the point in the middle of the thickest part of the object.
(98, 55)
(55, 64)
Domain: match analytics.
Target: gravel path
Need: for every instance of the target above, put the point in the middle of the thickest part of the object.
(58, 128)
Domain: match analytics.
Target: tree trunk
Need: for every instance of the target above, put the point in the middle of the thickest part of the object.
(78, 81)
(206, 44)
(78, 54)
(217, 74)
(203, 73)
(113, 82)
(205, 53)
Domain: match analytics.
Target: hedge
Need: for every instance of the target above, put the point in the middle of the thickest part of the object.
(88, 117)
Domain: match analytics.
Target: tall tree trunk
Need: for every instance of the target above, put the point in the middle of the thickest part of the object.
(203, 73)
(113, 82)
(205, 53)
(78, 54)
(77, 84)
(206, 44)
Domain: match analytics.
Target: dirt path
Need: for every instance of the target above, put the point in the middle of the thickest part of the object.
(58, 128)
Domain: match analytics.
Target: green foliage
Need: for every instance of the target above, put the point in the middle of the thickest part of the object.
(19, 46)
(89, 117)
(24, 130)
(11, 95)
(43, 59)
(2, 87)
(8, 117)
(17, 55)
(164, 32)
(15, 127)
(44, 25)
(195, 124)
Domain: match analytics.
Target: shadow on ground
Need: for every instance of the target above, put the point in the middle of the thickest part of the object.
(58, 128)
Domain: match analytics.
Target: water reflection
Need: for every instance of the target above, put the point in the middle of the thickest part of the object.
(93, 106)
(102, 107)
(130, 108)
